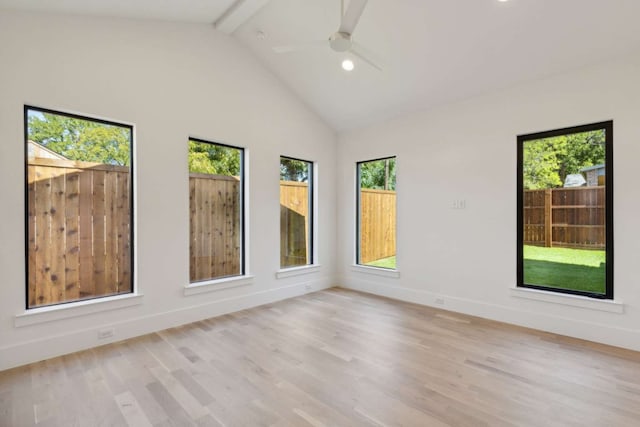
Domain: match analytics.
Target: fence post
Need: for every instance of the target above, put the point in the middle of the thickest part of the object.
(548, 230)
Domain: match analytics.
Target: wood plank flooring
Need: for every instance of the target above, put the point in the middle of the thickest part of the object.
(332, 358)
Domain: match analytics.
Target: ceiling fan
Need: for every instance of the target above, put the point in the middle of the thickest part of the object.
(341, 40)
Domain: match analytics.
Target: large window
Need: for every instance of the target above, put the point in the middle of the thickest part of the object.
(216, 212)
(376, 213)
(296, 212)
(79, 207)
(565, 210)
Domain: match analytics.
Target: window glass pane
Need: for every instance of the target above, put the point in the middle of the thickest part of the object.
(296, 210)
(377, 213)
(215, 211)
(564, 211)
(79, 217)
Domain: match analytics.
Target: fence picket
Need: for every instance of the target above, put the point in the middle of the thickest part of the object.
(110, 238)
(58, 235)
(43, 233)
(72, 243)
(98, 225)
(193, 226)
(123, 219)
(86, 284)
(31, 218)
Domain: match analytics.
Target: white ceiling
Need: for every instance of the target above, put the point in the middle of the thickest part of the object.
(202, 11)
(434, 51)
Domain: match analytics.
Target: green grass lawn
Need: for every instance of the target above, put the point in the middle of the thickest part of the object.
(383, 262)
(575, 269)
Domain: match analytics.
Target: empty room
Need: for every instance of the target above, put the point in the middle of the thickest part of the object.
(319, 213)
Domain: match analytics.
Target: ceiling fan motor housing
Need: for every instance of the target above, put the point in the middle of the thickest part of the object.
(340, 42)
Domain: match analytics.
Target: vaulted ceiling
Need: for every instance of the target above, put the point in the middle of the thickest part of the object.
(433, 51)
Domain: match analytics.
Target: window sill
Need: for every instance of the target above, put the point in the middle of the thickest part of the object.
(610, 306)
(297, 271)
(73, 309)
(217, 285)
(377, 271)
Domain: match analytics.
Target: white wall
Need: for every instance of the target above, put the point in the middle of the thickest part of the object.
(171, 81)
(468, 151)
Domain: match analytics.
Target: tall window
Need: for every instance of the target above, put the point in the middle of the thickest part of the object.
(216, 212)
(296, 212)
(565, 210)
(377, 213)
(79, 207)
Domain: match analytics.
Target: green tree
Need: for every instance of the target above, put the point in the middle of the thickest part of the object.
(213, 159)
(548, 161)
(294, 170)
(378, 174)
(78, 139)
(540, 164)
(581, 150)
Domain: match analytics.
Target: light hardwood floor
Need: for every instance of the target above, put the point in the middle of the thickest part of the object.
(332, 358)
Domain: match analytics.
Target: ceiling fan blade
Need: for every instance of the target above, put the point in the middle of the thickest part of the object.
(300, 46)
(360, 52)
(351, 16)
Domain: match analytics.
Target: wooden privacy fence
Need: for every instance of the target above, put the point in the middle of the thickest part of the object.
(377, 224)
(78, 230)
(79, 233)
(214, 226)
(565, 217)
(294, 223)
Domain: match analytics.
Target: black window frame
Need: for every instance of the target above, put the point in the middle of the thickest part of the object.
(132, 218)
(607, 126)
(312, 259)
(242, 209)
(358, 203)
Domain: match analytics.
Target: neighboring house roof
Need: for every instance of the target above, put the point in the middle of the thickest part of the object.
(35, 149)
(590, 168)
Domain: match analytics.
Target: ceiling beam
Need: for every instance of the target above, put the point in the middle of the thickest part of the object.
(237, 14)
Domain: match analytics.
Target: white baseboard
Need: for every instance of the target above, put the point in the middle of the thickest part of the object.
(57, 345)
(596, 332)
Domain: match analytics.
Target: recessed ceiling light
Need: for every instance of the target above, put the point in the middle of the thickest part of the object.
(503, 1)
(347, 65)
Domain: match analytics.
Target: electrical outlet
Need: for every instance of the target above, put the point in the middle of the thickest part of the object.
(440, 301)
(459, 204)
(106, 333)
